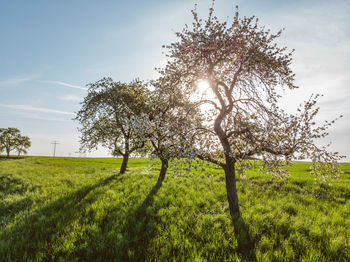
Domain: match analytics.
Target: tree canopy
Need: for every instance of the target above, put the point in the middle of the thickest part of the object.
(106, 117)
(168, 124)
(11, 139)
(22, 145)
(244, 69)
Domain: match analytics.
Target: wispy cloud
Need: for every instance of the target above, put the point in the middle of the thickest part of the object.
(71, 98)
(38, 109)
(18, 80)
(36, 116)
(64, 84)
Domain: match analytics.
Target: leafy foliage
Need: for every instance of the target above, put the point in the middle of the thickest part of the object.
(11, 139)
(106, 116)
(22, 145)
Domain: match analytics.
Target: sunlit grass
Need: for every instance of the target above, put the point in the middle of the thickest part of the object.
(82, 209)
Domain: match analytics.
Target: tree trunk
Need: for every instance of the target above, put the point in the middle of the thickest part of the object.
(232, 196)
(8, 153)
(164, 168)
(229, 165)
(125, 163)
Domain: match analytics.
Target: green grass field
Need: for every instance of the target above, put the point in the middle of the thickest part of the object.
(81, 209)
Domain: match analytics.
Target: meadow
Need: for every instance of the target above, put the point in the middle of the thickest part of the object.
(81, 209)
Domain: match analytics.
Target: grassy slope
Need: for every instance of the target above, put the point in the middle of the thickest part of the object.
(80, 209)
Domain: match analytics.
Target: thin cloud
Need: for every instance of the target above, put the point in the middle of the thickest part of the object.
(65, 84)
(35, 116)
(71, 98)
(37, 109)
(18, 80)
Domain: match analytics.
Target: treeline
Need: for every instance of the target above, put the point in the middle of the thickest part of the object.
(12, 140)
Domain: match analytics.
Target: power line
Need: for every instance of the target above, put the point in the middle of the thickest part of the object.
(54, 143)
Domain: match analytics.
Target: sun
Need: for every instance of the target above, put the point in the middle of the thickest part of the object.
(203, 85)
(203, 90)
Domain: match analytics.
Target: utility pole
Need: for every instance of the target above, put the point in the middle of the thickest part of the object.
(54, 143)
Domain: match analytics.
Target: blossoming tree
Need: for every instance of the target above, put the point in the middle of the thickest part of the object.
(168, 124)
(244, 69)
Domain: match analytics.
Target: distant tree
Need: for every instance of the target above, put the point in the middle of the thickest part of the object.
(2, 147)
(22, 145)
(168, 123)
(11, 139)
(106, 115)
(243, 68)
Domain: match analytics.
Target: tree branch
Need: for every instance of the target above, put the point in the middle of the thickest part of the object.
(210, 159)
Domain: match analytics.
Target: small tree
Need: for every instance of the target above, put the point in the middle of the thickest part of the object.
(23, 143)
(243, 69)
(106, 116)
(168, 124)
(9, 139)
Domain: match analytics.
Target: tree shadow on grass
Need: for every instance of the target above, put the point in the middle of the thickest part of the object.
(9, 210)
(124, 233)
(9, 205)
(30, 238)
(140, 229)
(12, 185)
(246, 245)
(4, 158)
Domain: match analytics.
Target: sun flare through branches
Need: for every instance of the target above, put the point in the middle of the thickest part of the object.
(203, 85)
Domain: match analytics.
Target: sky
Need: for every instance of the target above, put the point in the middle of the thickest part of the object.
(50, 51)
